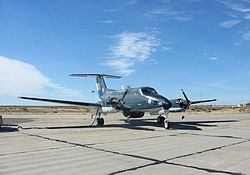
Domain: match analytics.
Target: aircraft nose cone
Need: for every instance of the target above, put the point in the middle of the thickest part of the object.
(166, 105)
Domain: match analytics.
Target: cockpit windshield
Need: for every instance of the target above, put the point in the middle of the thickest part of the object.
(148, 91)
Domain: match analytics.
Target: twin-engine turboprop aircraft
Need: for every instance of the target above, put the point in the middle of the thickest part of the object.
(132, 102)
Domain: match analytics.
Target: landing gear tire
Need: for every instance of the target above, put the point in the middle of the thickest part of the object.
(166, 124)
(160, 119)
(100, 121)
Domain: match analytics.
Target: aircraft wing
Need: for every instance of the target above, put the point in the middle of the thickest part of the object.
(202, 101)
(63, 101)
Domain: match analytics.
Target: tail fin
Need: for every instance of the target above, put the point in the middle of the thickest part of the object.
(100, 83)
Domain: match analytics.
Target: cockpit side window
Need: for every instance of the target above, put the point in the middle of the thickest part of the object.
(148, 91)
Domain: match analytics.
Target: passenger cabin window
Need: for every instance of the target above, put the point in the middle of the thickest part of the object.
(148, 91)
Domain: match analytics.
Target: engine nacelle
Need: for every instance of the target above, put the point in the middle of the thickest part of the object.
(178, 103)
(176, 109)
(108, 110)
(133, 114)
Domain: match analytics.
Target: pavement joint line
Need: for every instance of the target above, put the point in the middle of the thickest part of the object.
(32, 151)
(176, 164)
(209, 135)
(207, 150)
(187, 166)
(155, 161)
(136, 168)
(90, 147)
(68, 127)
(209, 170)
(125, 140)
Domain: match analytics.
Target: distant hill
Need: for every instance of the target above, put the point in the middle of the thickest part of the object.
(82, 109)
(45, 109)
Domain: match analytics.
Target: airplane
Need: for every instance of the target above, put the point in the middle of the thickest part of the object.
(132, 102)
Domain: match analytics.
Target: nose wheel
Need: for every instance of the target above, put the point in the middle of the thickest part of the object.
(166, 124)
(163, 120)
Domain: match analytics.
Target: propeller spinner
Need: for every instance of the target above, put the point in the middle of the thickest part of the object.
(119, 103)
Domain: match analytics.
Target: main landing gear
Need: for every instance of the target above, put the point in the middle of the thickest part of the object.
(163, 120)
(100, 121)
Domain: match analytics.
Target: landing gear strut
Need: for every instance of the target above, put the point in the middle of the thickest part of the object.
(99, 120)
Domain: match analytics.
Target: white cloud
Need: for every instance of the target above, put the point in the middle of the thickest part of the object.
(247, 16)
(246, 36)
(111, 10)
(242, 9)
(164, 11)
(131, 2)
(106, 21)
(135, 45)
(17, 77)
(213, 58)
(229, 23)
(130, 49)
(168, 13)
(122, 66)
(183, 18)
(238, 5)
(20, 78)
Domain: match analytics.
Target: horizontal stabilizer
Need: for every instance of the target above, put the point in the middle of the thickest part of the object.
(62, 101)
(95, 75)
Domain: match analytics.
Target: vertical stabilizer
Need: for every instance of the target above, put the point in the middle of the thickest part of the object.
(100, 83)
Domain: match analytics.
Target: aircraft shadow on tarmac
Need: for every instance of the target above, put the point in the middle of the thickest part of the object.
(148, 125)
(185, 125)
(8, 129)
(195, 125)
(12, 124)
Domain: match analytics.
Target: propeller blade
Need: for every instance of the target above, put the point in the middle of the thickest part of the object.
(124, 95)
(184, 94)
(202, 101)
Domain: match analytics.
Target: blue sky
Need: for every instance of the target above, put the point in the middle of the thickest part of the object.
(199, 45)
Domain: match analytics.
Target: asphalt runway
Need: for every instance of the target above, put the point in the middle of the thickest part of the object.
(66, 144)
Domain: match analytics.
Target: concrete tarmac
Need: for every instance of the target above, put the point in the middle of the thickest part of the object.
(66, 144)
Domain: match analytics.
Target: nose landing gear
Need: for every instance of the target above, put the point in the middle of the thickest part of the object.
(164, 120)
(160, 119)
(166, 124)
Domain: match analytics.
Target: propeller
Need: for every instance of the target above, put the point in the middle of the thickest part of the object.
(186, 103)
(119, 103)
